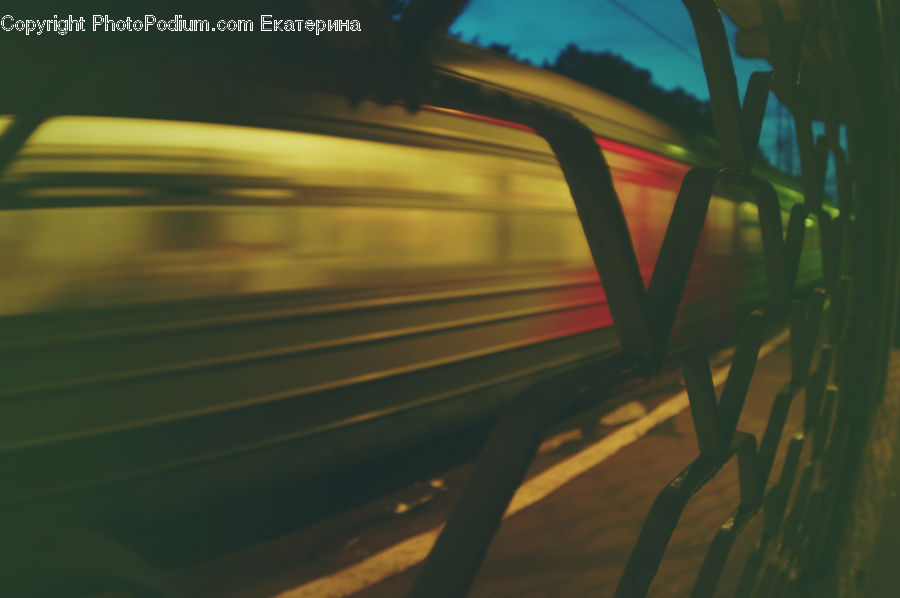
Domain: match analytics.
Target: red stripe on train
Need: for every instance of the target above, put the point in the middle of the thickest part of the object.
(607, 144)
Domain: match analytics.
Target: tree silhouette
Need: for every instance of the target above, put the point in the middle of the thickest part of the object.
(613, 74)
(501, 49)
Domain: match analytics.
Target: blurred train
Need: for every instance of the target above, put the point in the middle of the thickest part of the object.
(197, 309)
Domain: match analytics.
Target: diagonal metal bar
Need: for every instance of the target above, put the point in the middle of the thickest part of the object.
(822, 430)
(800, 355)
(815, 388)
(837, 438)
(838, 311)
(831, 465)
(744, 446)
(774, 508)
(837, 239)
(751, 495)
(679, 245)
(670, 503)
(769, 211)
(814, 161)
(742, 367)
(810, 172)
(777, 267)
(719, 550)
(704, 411)
(720, 78)
(774, 516)
(785, 57)
(451, 565)
(754, 110)
(804, 330)
(715, 422)
(752, 567)
(844, 181)
(791, 526)
(659, 525)
(793, 244)
(603, 220)
(822, 441)
(820, 167)
(841, 364)
(768, 447)
(830, 247)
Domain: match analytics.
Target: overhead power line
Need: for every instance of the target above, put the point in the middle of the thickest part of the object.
(653, 28)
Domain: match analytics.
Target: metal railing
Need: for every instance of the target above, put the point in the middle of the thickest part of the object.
(856, 302)
(825, 364)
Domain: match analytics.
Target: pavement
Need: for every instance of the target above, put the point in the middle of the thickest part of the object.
(569, 538)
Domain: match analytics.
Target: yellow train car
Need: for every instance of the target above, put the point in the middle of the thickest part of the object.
(197, 308)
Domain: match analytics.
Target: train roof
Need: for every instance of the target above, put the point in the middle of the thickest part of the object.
(600, 110)
(605, 114)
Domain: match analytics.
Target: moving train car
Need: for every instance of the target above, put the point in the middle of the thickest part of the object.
(197, 308)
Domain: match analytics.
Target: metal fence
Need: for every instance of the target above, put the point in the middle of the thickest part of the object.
(829, 71)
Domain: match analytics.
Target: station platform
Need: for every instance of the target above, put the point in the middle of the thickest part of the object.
(569, 530)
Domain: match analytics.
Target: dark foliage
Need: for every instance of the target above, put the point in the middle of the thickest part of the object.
(611, 73)
(501, 49)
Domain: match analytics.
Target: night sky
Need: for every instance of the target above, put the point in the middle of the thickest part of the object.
(538, 29)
